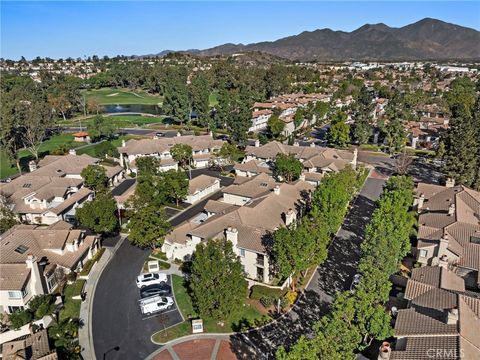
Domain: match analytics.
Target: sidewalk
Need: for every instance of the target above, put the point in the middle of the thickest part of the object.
(85, 332)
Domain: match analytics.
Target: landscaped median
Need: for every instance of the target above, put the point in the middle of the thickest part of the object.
(246, 317)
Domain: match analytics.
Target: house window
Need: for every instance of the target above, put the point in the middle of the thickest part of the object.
(51, 282)
(14, 295)
(12, 309)
(242, 252)
(24, 292)
(423, 253)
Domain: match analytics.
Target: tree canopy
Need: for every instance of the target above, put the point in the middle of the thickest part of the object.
(287, 167)
(218, 285)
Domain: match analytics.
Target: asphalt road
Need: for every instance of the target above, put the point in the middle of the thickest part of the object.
(116, 317)
(334, 275)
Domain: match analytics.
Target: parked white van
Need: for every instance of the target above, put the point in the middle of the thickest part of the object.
(151, 278)
(155, 304)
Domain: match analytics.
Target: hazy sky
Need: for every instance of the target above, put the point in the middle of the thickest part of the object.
(62, 29)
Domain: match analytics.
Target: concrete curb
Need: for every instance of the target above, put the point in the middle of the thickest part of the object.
(85, 332)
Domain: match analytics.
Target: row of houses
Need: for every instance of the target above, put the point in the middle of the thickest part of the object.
(286, 105)
(53, 189)
(441, 313)
(255, 205)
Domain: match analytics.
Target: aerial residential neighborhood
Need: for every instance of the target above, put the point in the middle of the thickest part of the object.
(226, 180)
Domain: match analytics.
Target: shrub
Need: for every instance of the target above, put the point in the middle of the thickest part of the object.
(258, 291)
(20, 318)
(291, 296)
(267, 301)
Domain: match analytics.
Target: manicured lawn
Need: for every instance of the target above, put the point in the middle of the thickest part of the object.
(72, 307)
(120, 121)
(122, 96)
(49, 145)
(246, 316)
(212, 99)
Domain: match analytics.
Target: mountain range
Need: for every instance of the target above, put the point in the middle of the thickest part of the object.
(427, 39)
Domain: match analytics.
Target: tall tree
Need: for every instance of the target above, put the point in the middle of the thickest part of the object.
(148, 226)
(95, 177)
(218, 284)
(176, 184)
(175, 93)
(99, 215)
(101, 126)
(199, 93)
(287, 167)
(275, 126)
(182, 153)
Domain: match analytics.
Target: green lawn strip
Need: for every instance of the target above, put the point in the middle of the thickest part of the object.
(246, 316)
(212, 99)
(71, 307)
(112, 96)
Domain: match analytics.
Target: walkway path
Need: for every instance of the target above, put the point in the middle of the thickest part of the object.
(334, 275)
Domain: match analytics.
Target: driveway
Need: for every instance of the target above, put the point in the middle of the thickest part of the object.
(334, 275)
(116, 317)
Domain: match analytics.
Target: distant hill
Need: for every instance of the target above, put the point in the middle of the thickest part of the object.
(427, 39)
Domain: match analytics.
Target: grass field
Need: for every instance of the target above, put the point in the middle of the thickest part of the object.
(119, 96)
(212, 99)
(7, 168)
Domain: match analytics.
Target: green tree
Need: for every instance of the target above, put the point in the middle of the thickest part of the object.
(218, 285)
(275, 126)
(95, 177)
(175, 93)
(339, 132)
(99, 214)
(287, 167)
(440, 152)
(101, 126)
(176, 184)
(299, 117)
(395, 135)
(19, 318)
(148, 226)
(65, 337)
(148, 165)
(227, 154)
(8, 218)
(461, 97)
(42, 305)
(199, 93)
(182, 153)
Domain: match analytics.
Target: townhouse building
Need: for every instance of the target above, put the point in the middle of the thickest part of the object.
(449, 229)
(203, 147)
(53, 188)
(35, 259)
(249, 212)
(441, 320)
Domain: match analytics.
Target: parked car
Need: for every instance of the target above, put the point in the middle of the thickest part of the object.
(155, 289)
(150, 279)
(355, 282)
(159, 134)
(155, 304)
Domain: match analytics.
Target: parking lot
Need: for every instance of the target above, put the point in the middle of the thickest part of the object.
(117, 319)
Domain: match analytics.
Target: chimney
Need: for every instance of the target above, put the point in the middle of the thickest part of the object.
(257, 143)
(290, 217)
(72, 152)
(442, 247)
(231, 234)
(32, 165)
(450, 183)
(296, 143)
(451, 210)
(124, 143)
(302, 177)
(452, 316)
(420, 201)
(312, 144)
(276, 190)
(36, 287)
(443, 262)
(384, 351)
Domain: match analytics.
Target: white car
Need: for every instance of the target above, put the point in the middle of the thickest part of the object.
(151, 278)
(155, 304)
